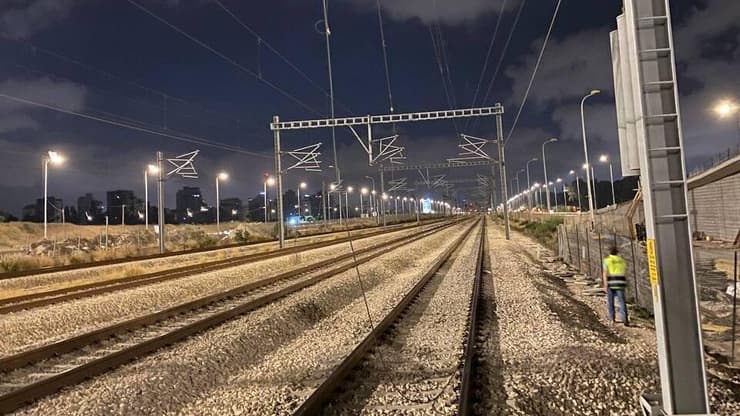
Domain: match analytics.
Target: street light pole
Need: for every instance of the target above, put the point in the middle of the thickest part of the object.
(56, 159)
(605, 159)
(160, 200)
(544, 168)
(220, 176)
(529, 184)
(585, 155)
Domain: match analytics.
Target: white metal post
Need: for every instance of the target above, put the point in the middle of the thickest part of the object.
(264, 193)
(611, 177)
(544, 168)
(279, 172)
(160, 200)
(585, 156)
(218, 207)
(502, 173)
(46, 196)
(146, 199)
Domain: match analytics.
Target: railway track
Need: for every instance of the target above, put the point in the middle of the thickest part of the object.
(49, 297)
(111, 262)
(36, 373)
(381, 356)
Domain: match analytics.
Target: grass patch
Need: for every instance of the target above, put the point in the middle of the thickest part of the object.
(545, 231)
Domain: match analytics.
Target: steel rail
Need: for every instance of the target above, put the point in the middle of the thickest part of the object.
(44, 387)
(326, 391)
(467, 391)
(110, 262)
(49, 297)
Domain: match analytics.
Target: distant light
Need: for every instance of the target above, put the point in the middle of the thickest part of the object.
(303, 185)
(350, 189)
(152, 168)
(270, 181)
(223, 176)
(55, 158)
(363, 191)
(603, 158)
(726, 108)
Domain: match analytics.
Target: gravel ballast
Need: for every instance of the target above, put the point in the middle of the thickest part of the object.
(553, 349)
(34, 327)
(262, 363)
(416, 370)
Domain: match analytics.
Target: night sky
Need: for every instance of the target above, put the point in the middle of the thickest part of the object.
(115, 60)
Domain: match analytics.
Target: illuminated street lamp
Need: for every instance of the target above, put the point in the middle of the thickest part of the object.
(153, 169)
(544, 168)
(363, 191)
(605, 159)
(346, 199)
(55, 159)
(727, 108)
(585, 155)
(578, 188)
(559, 180)
(222, 176)
(269, 181)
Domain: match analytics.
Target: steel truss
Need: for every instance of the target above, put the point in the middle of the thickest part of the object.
(387, 149)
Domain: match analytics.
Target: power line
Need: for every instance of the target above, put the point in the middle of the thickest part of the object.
(534, 73)
(437, 55)
(227, 59)
(503, 55)
(385, 56)
(488, 56)
(154, 131)
(163, 94)
(261, 41)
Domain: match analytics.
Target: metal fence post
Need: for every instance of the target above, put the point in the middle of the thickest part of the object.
(578, 247)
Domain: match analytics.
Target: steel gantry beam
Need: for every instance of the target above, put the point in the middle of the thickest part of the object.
(388, 150)
(445, 165)
(387, 119)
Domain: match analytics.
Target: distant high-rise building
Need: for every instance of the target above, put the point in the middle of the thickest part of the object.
(122, 201)
(89, 209)
(189, 204)
(232, 209)
(35, 212)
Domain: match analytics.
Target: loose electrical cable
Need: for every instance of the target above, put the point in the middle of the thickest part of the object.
(534, 72)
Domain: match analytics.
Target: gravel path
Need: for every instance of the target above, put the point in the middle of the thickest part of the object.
(417, 369)
(262, 363)
(553, 351)
(34, 327)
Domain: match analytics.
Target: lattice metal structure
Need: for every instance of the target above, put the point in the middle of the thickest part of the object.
(400, 184)
(184, 165)
(648, 37)
(394, 153)
(306, 158)
(471, 149)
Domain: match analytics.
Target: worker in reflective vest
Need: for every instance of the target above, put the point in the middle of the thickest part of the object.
(615, 283)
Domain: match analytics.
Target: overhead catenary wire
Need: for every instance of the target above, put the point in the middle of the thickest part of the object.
(384, 46)
(438, 55)
(262, 42)
(169, 96)
(502, 56)
(231, 61)
(170, 134)
(327, 33)
(488, 57)
(534, 72)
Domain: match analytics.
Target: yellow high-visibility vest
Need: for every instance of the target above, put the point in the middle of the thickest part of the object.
(615, 265)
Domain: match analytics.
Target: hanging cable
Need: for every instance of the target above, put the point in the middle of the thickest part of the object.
(385, 57)
(140, 128)
(327, 33)
(56, 55)
(261, 41)
(501, 57)
(534, 72)
(227, 59)
(488, 57)
(437, 55)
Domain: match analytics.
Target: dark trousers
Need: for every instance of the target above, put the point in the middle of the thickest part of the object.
(619, 294)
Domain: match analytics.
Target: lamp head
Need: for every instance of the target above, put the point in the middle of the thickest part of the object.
(270, 181)
(223, 176)
(350, 189)
(595, 92)
(55, 158)
(726, 108)
(603, 158)
(363, 191)
(572, 172)
(151, 168)
(303, 185)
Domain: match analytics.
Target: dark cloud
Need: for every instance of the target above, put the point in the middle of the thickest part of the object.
(21, 19)
(451, 12)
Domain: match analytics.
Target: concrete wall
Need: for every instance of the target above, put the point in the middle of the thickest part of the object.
(715, 206)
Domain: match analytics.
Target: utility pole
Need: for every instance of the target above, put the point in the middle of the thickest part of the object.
(160, 200)
(279, 172)
(502, 173)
